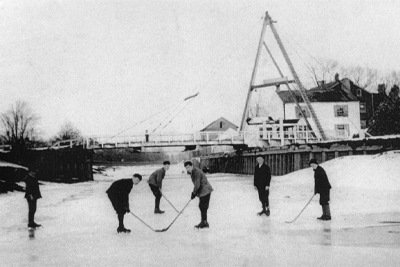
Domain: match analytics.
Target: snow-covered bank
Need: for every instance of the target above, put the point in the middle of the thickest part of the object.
(80, 224)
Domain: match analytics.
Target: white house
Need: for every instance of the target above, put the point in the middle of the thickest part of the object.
(336, 108)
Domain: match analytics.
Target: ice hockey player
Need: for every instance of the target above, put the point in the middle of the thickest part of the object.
(202, 189)
(262, 180)
(32, 194)
(118, 193)
(155, 183)
(322, 187)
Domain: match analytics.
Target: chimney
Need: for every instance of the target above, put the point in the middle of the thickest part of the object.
(382, 89)
(337, 77)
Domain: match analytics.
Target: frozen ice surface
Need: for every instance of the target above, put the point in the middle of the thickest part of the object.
(79, 224)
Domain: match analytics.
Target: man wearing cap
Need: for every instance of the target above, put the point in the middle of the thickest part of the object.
(155, 183)
(118, 193)
(322, 187)
(202, 189)
(32, 194)
(262, 180)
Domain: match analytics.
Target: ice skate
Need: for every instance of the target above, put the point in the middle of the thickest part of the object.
(158, 211)
(202, 224)
(34, 225)
(123, 230)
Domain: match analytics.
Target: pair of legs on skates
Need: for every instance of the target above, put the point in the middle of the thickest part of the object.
(324, 202)
(120, 208)
(157, 193)
(31, 214)
(204, 203)
(121, 228)
(263, 196)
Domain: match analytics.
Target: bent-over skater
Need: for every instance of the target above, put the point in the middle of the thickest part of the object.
(202, 189)
(155, 183)
(322, 187)
(32, 194)
(118, 193)
(262, 180)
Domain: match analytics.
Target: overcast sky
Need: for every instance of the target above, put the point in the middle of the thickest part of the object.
(107, 65)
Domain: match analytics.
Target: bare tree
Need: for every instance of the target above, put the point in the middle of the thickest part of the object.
(68, 131)
(363, 77)
(323, 70)
(391, 79)
(19, 124)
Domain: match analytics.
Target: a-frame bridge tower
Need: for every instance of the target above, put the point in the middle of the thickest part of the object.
(282, 80)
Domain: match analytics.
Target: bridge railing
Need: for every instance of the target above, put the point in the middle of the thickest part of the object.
(184, 139)
(294, 136)
(167, 138)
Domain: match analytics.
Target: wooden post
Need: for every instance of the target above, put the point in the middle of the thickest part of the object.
(253, 75)
(324, 158)
(281, 132)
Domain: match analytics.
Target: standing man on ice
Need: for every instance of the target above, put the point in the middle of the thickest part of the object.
(322, 187)
(155, 183)
(202, 189)
(118, 193)
(32, 194)
(262, 179)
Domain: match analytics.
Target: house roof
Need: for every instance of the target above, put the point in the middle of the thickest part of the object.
(329, 92)
(221, 118)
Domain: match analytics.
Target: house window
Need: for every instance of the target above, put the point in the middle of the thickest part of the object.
(363, 107)
(363, 124)
(305, 110)
(342, 130)
(341, 110)
(359, 92)
(220, 124)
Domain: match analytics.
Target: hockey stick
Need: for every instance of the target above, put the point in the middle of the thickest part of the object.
(301, 210)
(165, 229)
(143, 221)
(169, 202)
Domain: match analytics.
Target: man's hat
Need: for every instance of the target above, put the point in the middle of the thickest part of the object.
(313, 161)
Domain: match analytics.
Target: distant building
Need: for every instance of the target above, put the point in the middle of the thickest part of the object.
(369, 102)
(336, 107)
(220, 125)
(226, 131)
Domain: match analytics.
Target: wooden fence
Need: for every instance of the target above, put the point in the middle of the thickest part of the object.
(66, 166)
(283, 161)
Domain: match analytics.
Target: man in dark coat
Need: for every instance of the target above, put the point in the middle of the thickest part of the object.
(155, 183)
(262, 179)
(118, 193)
(322, 187)
(202, 189)
(32, 194)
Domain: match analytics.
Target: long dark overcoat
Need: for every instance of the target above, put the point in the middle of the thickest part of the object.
(322, 184)
(32, 187)
(262, 176)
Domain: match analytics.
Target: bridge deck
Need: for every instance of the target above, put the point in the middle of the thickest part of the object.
(185, 139)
